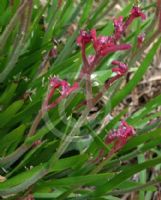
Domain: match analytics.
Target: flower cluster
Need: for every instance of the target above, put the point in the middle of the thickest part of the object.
(84, 38)
(104, 45)
(119, 28)
(64, 88)
(118, 137)
(135, 13)
(121, 68)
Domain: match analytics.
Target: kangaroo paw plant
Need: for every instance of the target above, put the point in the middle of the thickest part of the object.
(71, 123)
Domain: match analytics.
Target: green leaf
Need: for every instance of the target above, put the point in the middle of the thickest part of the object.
(22, 181)
(8, 94)
(10, 112)
(99, 77)
(124, 175)
(10, 141)
(79, 180)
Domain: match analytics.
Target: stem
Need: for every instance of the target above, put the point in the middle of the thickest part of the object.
(100, 94)
(35, 123)
(89, 97)
(55, 103)
(87, 73)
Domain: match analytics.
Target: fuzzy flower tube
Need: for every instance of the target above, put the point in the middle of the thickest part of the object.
(66, 90)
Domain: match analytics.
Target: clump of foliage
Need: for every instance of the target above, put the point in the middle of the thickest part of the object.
(60, 83)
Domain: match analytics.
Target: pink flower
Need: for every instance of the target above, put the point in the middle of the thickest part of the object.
(135, 13)
(119, 137)
(65, 90)
(55, 82)
(84, 38)
(121, 69)
(114, 48)
(123, 132)
(104, 45)
(140, 39)
(119, 27)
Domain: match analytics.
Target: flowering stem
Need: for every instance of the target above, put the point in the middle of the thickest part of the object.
(89, 95)
(35, 123)
(10, 159)
(87, 74)
(100, 94)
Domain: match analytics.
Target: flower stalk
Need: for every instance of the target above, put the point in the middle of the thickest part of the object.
(55, 83)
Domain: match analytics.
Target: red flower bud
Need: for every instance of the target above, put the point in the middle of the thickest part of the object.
(119, 28)
(84, 38)
(119, 137)
(104, 45)
(66, 90)
(121, 69)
